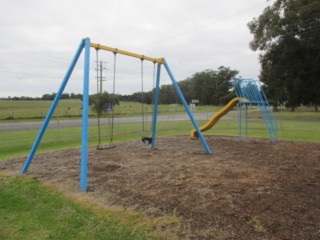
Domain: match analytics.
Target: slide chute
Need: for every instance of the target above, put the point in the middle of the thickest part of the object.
(215, 118)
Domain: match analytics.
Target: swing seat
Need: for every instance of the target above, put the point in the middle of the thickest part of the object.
(146, 140)
(105, 147)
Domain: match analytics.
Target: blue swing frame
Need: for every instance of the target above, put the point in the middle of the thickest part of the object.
(86, 44)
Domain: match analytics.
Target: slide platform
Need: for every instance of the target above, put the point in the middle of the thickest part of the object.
(215, 118)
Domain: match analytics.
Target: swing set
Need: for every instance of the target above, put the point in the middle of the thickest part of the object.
(85, 45)
(110, 106)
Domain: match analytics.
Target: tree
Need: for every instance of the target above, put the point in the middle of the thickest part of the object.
(224, 75)
(210, 86)
(287, 34)
(48, 96)
(98, 102)
(167, 95)
(185, 89)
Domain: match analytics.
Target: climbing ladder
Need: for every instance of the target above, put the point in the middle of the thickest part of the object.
(252, 92)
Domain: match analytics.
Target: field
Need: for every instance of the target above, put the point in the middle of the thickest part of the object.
(72, 108)
(247, 190)
(302, 125)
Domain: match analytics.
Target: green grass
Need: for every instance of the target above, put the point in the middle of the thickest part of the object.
(30, 210)
(311, 116)
(19, 143)
(285, 115)
(14, 144)
(25, 110)
(13, 109)
(288, 130)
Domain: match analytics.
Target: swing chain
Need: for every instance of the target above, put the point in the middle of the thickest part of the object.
(111, 121)
(147, 140)
(113, 94)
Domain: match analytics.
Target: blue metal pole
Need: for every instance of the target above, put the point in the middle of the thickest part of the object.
(85, 112)
(155, 108)
(176, 86)
(52, 108)
(240, 121)
(246, 122)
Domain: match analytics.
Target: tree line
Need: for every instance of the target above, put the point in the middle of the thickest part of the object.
(48, 96)
(210, 87)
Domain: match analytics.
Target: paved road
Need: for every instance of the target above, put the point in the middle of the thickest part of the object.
(7, 127)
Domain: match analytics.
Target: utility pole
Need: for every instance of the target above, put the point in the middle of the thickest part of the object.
(99, 70)
(101, 66)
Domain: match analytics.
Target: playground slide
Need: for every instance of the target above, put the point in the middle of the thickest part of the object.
(215, 118)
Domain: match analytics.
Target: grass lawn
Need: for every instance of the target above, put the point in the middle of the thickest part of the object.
(288, 130)
(14, 109)
(30, 210)
(13, 144)
(19, 143)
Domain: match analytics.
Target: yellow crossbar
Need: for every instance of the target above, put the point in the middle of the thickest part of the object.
(116, 50)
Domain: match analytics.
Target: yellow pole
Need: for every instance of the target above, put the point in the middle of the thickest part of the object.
(116, 50)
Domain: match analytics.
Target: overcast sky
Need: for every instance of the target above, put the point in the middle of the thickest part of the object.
(39, 39)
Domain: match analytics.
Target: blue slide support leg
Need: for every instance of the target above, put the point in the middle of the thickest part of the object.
(176, 86)
(52, 108)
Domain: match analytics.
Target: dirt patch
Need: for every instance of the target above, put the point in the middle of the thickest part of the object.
(254, 190)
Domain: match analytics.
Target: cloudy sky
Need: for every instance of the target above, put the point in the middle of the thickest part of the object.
(39, 39)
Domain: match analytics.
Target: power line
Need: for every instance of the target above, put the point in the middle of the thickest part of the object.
(215, 21)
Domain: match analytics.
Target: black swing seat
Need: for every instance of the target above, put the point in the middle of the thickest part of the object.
(105, 147)
(147, 140)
